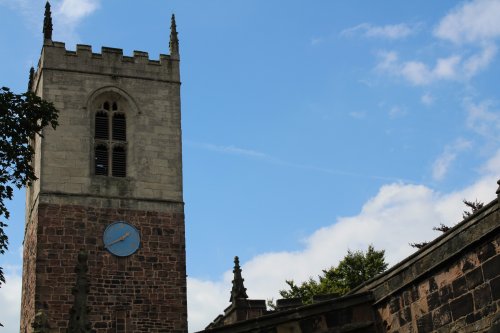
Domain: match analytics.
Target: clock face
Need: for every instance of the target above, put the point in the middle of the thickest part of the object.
(121, 239)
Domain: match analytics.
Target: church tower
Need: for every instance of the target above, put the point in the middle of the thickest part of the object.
(104, 244)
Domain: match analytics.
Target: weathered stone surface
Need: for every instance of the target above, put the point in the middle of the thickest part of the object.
(69, 207)
(462, 306)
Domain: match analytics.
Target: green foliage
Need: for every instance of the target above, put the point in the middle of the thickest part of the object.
(356, 267)
(474, 206)
(22, 117)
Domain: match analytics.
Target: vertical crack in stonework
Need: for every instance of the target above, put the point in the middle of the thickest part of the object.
(79, 321)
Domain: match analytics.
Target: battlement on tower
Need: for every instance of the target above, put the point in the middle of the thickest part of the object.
(110, 62)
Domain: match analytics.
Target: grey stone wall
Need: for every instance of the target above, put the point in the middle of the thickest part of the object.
(149, 93)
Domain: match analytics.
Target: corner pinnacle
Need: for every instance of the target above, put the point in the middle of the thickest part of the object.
(174, 40)
(239, 290)
(47, 23)
(32, 75)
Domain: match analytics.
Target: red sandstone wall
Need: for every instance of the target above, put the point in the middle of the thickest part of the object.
(463, 297)
(29, 268)
(145, 292)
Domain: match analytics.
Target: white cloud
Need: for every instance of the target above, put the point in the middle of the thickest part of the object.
(482, 119)
(480, 61)
(388, 60)
(443, 163)
(75, 10)
(66, 14)
(408, 211)
(395, 31)
(473, 21)
(206, 300)
(448, 68)
(414, 71)
(10, 298)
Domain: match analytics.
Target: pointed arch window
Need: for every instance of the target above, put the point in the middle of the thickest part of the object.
(110, 141)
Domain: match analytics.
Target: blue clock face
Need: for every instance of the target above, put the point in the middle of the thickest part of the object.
(121, 239)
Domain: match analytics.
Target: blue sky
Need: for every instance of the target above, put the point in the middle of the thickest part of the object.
(308, 128)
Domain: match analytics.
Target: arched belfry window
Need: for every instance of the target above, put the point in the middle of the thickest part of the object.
(110, 139)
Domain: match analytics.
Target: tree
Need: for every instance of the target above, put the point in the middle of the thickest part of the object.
(356, 267)
(22, 117)
(474, 206)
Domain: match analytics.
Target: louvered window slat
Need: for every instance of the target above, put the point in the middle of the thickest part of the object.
(119, 127)
(110, 145)
(101, 160)
(119, 162)
(101, 126)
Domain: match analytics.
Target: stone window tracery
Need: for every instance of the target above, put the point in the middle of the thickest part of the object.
(110, 141)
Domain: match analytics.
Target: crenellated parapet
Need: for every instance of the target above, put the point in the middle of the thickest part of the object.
(110, 61)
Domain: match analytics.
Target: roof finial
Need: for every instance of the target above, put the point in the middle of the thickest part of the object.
(239, 290)
(47, 23)
(174, 40)
(32, 75)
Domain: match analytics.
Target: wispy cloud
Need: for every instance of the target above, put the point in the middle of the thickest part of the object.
(427, 99)
(67, 14)
(479, 61)
(484, 119)
(73, 11)
(397, 111)
(233, 150)
(443, 163)
(471, 22)
(454, 67)
(408, 211)
(317, 40)
(249, 153)
(475, 22)
(394, 31)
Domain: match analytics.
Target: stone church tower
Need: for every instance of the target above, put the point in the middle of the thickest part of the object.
(104, 246)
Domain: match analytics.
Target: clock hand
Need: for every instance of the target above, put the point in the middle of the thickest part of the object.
(117, 240)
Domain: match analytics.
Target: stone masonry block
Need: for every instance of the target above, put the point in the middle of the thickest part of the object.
(495, 288)
(491, 268)
(474, 278)
(462, 306)
(482, 296)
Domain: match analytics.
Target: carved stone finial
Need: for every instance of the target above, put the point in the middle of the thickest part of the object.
(32, 75)
(47, 23)
(41, 323)
(79, 316)
(498, 190)
(174, 40)
(239, 290)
